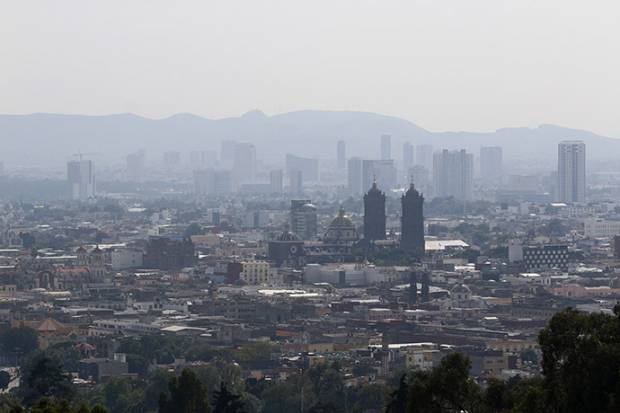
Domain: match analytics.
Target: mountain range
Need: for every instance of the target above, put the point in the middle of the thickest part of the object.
(43, 139)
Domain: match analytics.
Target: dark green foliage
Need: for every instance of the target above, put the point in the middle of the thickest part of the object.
(226, 402)
(19, 340)
(43, 376)
(187, 395)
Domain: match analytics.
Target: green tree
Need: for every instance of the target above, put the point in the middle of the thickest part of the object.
(43, 376)
(581, 361)
(226, 402)
(19, 340)
(187, 395)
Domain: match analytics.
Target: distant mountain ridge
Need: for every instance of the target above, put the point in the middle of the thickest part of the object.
(42, 138)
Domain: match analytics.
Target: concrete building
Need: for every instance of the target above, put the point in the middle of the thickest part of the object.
(424, 156)
(81, 179)
(257, 273)
(381, 171)
(244, 163)
(354, 176)
(303, 218)
(601, 228)
(571, 171)
(341, 154)
(491, 164)
(453, 174)
(308, 166)
(213, 182)
(276, 181)
(386, 147)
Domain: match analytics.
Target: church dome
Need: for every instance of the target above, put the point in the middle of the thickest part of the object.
(341, 230)
(342, 221)
(289, 237)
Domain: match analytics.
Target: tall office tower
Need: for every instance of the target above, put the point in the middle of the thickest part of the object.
(202, 159)
(491, 168)
(136, 166)
(413, 287)
(407, 156)
(386, 147)
(453, 174)
(419, 176)
(424, 156)
(309, 167)
(571, 171)
(382, 171)
(276, 181)
(341, 154)
(354, 176)
(374, 214)
(227, 150)
(212, 182)
(412, 223)
(296, 182)
(81, 178)
(303, 218)
(172, 159)
(244, 163)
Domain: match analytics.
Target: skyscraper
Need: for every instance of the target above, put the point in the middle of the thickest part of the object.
(276, 181)
(412, 222)
(227, 151)
(202, 159)
(386, 147)
(374, 214)
(491, 164)
(81, 179)
(407, 156)
(424, 156)
(453, 174)
(244, 163)
(382, 171)
(341, 154)
(135, 166)
(296, 179)
(571, 171)
(308, 166)
(212, 182)
(303, 218)
(354, 176)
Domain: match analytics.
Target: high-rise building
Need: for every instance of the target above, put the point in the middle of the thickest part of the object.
(244, 163)
(571, 171)
(202, 159)
(212, 182)
(419, 176)
(453, 174)
(81, 179)
(172, 159)
(276, 181)
(308, 166)
(296, 179)
(354, 176)
(491, 168)
(341, 154)
(382, 171)
(136, 166)
(424, 156)
(412, 222)
(386, 147)
(407, 156)
(304, 222)
(374, 214)
(227, 150)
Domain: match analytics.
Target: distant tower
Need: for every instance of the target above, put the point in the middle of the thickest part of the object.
(407, 156)
(276, 181)
(374, 214)
(413, 288)
(412, 222)
(491, 164)
(571, 171)
(386, 147)
(354, 176)
(341, 154)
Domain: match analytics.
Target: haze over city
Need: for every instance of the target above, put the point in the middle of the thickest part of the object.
(308, 206)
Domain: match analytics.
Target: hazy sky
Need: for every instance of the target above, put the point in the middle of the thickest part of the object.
(443, 64)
